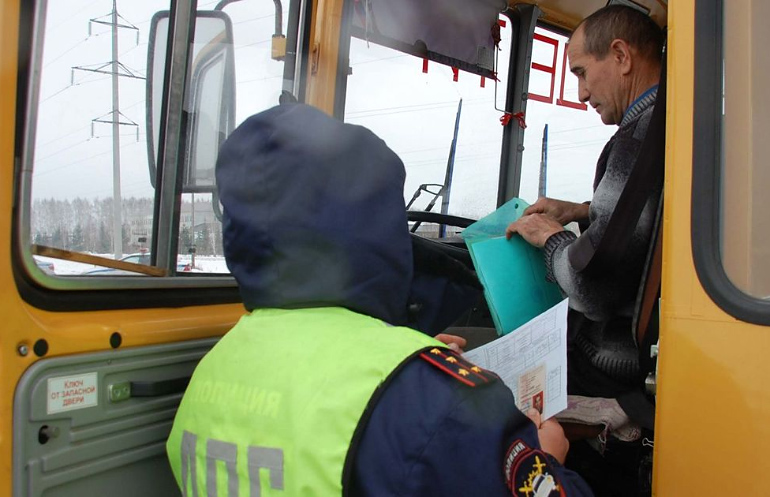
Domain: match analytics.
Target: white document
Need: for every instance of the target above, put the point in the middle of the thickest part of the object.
(532, 361)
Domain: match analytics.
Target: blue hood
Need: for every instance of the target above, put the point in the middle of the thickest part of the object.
(314, 215)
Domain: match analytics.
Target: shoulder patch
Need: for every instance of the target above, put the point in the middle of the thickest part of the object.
(528, 472)
(457, 367)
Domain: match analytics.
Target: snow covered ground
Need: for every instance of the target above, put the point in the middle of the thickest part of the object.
(204, 264)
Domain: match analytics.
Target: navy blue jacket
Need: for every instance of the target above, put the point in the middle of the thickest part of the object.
(314, 215)
(431, 435)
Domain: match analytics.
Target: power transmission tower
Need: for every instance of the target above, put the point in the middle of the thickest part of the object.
(116, 70)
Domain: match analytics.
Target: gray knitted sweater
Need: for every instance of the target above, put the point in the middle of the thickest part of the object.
(606, 296)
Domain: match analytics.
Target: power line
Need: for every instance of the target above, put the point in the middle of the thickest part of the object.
(582, 128)
(66, 20)
(73, 47)
(266, 78)
(137, 135)
(269, 16)
(378, 60)
(571, 145)
(442, 160)
(399, 110)
(83, 82)
(444, 148)
(41, 145)
(123, 54)
(42, 159)
(53, 95)
(38, 173)
(410, 108)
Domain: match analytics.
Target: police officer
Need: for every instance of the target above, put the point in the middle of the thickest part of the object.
(319, 389)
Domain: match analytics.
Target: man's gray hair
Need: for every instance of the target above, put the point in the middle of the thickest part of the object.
(625, 23)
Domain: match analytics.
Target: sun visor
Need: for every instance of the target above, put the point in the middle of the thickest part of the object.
(457, 33)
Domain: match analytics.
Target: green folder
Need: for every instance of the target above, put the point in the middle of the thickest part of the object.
(511, 271)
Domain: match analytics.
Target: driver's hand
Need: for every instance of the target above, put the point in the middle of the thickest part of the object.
(454, 342)
(562, 211)
(534, 228)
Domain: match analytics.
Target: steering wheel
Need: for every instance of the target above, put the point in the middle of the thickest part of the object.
(458, 253)
(443, 259)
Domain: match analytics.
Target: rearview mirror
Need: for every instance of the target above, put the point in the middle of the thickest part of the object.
(209, 108)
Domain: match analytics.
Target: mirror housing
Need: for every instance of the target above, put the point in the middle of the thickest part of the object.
(209, 96)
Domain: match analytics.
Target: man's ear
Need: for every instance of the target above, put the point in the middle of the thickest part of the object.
(621, 53)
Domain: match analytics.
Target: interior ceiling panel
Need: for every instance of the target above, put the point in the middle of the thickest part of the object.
(568, 13)
(459, 33)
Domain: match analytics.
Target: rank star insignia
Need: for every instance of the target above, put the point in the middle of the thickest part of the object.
(457, 367)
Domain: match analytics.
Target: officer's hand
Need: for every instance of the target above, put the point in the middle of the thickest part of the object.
(454, 342)
(562, 211)
(551, 436)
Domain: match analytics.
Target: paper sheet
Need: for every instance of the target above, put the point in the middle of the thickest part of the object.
(532, 361)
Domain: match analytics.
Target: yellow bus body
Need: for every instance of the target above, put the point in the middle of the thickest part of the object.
(712, 396)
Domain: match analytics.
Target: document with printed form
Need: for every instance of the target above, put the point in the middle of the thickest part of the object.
(532, 361)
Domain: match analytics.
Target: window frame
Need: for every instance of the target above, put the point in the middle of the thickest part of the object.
(706, 218)
(85, 293)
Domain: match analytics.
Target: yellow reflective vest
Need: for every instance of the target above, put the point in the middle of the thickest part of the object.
(273, 407)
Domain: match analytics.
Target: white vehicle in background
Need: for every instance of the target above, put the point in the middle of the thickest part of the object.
(46, 266)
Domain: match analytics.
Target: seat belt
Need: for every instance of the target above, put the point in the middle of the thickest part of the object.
(636, 403)
(646, 178)
(649, 287)
(651, 291)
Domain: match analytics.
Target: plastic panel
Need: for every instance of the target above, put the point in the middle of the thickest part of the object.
(114, 448)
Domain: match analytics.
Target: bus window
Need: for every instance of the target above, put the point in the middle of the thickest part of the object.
(745, 226)
(414, 109)
(93, 134)
(88, 158)
(570, 145)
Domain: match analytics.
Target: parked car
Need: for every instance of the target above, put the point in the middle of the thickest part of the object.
(46, 266)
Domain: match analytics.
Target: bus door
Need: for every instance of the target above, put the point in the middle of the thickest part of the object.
(712, 397)
(120, 285)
